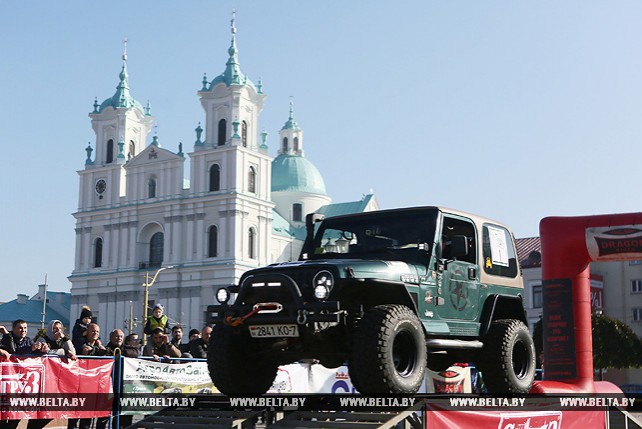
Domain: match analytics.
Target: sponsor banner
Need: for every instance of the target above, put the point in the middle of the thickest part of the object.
(438, 419)
(147, 376)
(614, 243)
(315, 379)
(291, 379)
(326, 380)
(559, 329)
(52, 388)
(453, 380)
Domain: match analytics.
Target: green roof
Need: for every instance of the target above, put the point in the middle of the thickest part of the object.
(31, 310)
(296, 173)
(280, 226)
(346, 208)
(232, 75)
(122, 97)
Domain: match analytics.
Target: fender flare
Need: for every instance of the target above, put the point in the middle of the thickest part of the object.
(501, 307)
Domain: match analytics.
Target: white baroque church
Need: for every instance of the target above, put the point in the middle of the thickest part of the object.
(240, 208)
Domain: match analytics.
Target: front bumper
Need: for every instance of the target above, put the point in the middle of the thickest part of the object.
(273, 298)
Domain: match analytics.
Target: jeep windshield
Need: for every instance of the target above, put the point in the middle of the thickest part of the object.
(402, 235)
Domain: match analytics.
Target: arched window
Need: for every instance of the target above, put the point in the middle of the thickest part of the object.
(98, 253)
(296, 144)
(215, 178)
(251, 244)
(251, 180)
(212, 246)
(284, 149)
(222, 132)
(132, 149)
(297, 212)
(244, 133)
(156, 245)
(110, 152)
(151, 188)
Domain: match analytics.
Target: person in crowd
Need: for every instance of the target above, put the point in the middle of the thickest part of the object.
(18, 342)
(177, 340)
(158, 320)
(193, 334)
(130, 349)
(132, 346)
(160, 347)
(79, 331)
(198, 347)
(93, 346)
(116, 341)
(58, 342)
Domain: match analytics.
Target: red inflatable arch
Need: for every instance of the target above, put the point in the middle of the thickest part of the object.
(569, 244)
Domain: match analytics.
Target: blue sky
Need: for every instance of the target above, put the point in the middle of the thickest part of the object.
(513, 110)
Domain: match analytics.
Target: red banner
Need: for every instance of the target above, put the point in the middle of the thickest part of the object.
(438, 419)
(53, 388)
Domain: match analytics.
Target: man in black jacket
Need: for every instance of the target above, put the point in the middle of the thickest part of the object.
(17, 342)
(198, 347)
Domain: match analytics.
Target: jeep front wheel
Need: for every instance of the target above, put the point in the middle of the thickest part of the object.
(234, 366)
(389, 352)
(508, 355)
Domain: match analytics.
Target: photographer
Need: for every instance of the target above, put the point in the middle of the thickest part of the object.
(160, 347)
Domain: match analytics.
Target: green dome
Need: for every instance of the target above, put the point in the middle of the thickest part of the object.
(296, 173)
(122, 97)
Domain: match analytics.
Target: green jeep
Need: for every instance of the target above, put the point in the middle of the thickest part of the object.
(389, 292)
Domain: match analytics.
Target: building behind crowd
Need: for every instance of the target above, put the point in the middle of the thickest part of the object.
(239, 210)
(31, 310)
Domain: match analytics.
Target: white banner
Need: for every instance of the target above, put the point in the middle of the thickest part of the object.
(325, 380)
(291, 378)
(146, 376)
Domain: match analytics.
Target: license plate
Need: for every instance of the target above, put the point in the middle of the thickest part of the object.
(274, 331)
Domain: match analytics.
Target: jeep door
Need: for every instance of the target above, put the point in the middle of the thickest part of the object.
(458, 291)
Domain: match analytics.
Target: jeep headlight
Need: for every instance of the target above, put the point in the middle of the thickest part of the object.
(322, 283)
(222, 295)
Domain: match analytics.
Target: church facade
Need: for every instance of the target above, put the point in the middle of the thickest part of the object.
(239, 210)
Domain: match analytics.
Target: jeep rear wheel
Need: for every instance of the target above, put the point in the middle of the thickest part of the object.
(508, 355)
(234, 367)
(389, 353)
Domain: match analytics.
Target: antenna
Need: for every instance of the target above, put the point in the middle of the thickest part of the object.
(232, 21)
(44, 306)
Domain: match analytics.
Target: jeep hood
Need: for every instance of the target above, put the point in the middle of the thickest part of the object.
(369, 269)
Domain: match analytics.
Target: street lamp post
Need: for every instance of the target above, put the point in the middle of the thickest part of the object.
(146, 285)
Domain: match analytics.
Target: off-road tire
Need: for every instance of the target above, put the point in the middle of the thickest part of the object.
(508, 358)
(234, 367)
(389, 352)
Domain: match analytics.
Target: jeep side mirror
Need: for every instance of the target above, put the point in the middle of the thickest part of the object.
(311, 220)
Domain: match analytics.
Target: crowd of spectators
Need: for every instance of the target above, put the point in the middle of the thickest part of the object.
(86, 341)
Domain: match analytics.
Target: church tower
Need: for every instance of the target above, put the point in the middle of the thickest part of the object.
(121, 125)
(297, 185)
(230, 167)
